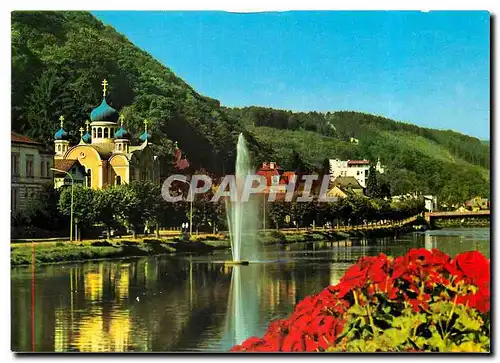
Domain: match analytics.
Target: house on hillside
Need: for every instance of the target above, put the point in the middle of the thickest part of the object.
(359, 169)
(342, 186)
(31, 164)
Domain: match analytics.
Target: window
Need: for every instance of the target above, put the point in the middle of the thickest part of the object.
(42, 168)
(58, 147)
(99, 132)
(106, 132)
(14, 196)
(93, 133)
(29, 166)
(89, 178)
(357, 173)
(48, 168)
(118, 180)
(119, 147)
(15, 164)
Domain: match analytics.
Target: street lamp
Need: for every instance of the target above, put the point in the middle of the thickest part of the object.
(71, 214)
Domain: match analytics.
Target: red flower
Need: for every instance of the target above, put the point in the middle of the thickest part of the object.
(474, 265)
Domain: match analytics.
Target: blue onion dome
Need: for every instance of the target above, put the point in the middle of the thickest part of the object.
(145, 136)
(121, 133)
(104, 112)
(86, 137)
(61, 134)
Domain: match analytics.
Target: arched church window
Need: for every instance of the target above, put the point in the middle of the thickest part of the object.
(106, 132)
(118, 180)
(112, 132)
(93, 133)
(99, 132)
(58, 147)
(89, 178)
(119, 147)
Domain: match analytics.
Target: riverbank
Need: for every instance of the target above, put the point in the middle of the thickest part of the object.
(62, 252)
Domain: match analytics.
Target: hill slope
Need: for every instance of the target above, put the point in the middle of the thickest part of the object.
(60, 58)
(453, 166)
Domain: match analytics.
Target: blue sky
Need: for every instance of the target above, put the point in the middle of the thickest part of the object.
(429, 69)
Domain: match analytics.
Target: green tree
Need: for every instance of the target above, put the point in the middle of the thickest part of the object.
(84, 205)
(372, 188)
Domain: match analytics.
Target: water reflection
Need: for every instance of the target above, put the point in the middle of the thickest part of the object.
(189, 304)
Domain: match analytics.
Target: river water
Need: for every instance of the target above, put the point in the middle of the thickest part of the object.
(184, 303)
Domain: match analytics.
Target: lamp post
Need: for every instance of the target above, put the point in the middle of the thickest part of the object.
(71, 214)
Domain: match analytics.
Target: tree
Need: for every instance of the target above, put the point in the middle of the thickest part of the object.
(109, 205)
(141, 204)
(372, 188)
(84, 205)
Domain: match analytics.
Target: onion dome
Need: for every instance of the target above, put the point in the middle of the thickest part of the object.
(61, 134)
(104, 112)
(122, 133)
(145, 135)
(87, 137)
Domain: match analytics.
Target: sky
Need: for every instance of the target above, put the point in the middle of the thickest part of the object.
(431, 69)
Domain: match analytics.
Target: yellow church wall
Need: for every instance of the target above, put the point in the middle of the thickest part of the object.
(90, 159)
(118, 166)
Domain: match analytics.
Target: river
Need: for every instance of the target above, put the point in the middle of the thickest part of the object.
(183, 303)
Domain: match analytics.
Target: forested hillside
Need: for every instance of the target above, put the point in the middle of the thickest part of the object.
(60, 58)
(445, 163)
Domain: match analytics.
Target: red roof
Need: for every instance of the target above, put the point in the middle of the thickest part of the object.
(67, 164)
(358, 162)
(15, 137)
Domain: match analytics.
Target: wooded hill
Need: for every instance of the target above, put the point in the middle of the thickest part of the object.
(60, 58)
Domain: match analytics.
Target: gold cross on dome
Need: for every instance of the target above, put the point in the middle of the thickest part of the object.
(61, 118)
(87, 123)
(81, 131)
(122, 118)
(104, 87)
(146, 122)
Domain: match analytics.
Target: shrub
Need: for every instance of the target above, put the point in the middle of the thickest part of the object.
(423, 301)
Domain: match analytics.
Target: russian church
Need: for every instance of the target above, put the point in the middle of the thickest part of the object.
(106, 149)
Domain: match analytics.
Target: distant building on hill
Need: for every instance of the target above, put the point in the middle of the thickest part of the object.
(31, 165)
(342, 186)
(359, 169)
(105, 149)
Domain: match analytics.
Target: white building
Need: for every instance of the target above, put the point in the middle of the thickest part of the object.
(359, 169)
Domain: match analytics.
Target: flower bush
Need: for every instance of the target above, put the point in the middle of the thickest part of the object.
(422, 301)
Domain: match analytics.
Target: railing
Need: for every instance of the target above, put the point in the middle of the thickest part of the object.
(359, 227)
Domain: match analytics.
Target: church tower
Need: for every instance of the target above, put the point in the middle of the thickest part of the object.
(121, 139)
(104, 121)
(61, 142)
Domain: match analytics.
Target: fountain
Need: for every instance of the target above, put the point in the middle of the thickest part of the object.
(241, 215)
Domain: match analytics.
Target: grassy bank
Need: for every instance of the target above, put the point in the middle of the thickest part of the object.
(59, 252)
(467, 223)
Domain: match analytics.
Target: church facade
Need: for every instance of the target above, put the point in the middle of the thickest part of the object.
(106, 149)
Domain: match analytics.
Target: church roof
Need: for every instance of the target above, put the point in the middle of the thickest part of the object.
(86, 137)
(145, 136)
(122, 133)
(104, 112)
(61, 134)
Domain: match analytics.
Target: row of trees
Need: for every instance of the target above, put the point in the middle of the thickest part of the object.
(137, 205)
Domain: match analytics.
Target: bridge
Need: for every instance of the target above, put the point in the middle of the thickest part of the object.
(469, 214)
